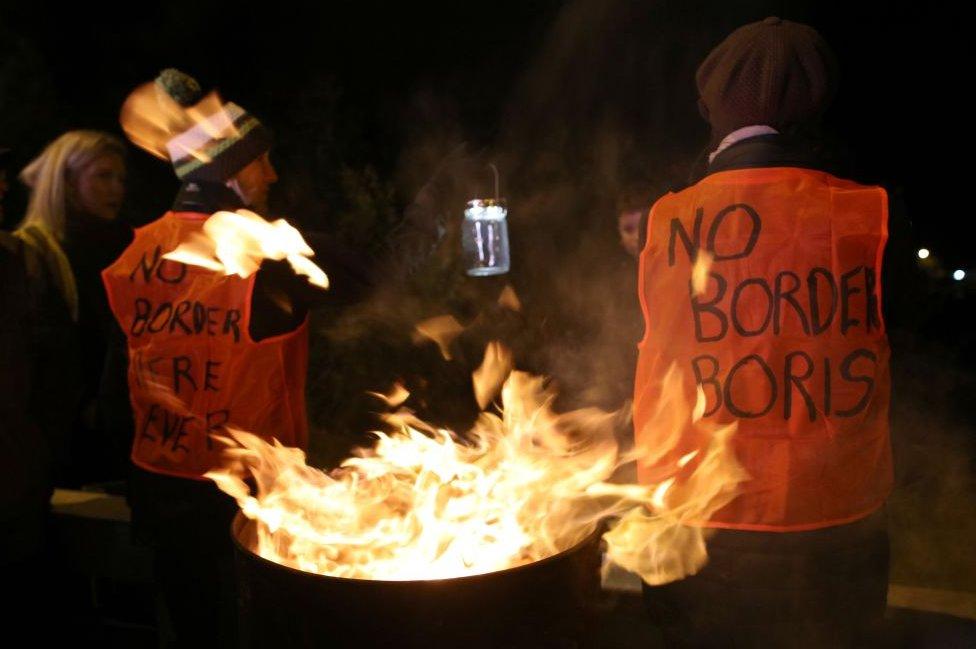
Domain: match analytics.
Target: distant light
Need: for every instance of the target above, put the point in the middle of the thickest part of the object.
(959, 275)
(923, 253)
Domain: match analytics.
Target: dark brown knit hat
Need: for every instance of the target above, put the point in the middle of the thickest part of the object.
(772, 72)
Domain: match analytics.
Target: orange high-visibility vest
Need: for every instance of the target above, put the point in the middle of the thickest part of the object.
(193, 367)
(786, 338)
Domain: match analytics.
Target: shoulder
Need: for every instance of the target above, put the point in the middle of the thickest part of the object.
(34, 247)
(12, 250)
(9, 244)
(36, 240)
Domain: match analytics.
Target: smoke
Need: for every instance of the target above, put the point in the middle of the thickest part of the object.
(932, 510)
(605, 103)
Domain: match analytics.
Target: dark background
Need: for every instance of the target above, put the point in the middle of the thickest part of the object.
(366, 97)
(350, 83)
(574, 100)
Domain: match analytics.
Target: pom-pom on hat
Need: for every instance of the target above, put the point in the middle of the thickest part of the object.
(217, 145)
(204, 138)
(773, 72)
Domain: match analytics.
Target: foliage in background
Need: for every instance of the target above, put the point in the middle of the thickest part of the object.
(26, 112)
(369, 212)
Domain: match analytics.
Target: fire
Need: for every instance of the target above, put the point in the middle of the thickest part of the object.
(509, 299)
(443, 330)
(699, 272)
(489, 378)
(236, 242)
(524, 484)
(151, 119)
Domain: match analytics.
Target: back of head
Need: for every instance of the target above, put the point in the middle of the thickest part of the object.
(48, 175)
(773, 72)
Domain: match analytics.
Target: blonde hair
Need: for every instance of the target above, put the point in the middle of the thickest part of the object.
(48, 175)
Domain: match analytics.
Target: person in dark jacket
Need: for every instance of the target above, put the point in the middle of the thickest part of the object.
(25, 451)
(4, 181)
(71, 232)
(796, 561)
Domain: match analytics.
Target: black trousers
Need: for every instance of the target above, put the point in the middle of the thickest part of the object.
(187, 524)
(823, 588)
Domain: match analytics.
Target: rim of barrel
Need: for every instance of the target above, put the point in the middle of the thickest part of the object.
(241, 522)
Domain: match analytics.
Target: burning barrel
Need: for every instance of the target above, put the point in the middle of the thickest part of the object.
(427, 539)
(547, 603)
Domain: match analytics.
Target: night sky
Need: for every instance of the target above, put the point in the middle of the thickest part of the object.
(352, 84)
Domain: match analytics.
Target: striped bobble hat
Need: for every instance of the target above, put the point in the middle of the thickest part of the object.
(217, 145)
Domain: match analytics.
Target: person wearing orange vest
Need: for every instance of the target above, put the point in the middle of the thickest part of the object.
(785, 337)
(205, 351)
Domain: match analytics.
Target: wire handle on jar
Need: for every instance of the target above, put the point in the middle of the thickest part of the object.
(494, 170)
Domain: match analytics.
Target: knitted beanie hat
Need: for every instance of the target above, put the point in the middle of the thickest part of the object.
(216, 145)
(773, 72)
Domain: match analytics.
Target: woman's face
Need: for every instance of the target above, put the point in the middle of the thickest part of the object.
(99, 187)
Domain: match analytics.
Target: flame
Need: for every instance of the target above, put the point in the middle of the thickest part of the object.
(151, 119)
(237, 242)
(699, 272)
(489, 378)
(509, 299)
(657, 498)
(397, 396)
(443, 330)
(667, 541)
(526, 483)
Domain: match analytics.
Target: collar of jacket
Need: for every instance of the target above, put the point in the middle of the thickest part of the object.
(773, 150)
(206, 198)
(740, 134)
